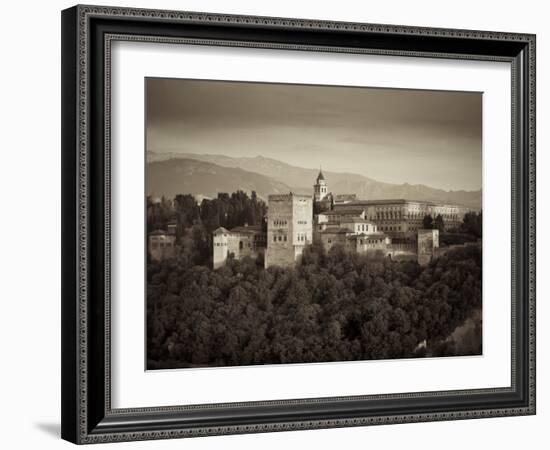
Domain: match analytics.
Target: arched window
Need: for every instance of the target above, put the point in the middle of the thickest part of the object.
(240, 245)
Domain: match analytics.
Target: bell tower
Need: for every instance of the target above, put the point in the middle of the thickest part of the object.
(320, 187)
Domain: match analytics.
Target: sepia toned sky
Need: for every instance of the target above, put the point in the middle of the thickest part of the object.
(391, 135)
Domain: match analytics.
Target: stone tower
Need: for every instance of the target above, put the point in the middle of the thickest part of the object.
(221, 246)
(428, 243)
(289, 228)
(320, 187)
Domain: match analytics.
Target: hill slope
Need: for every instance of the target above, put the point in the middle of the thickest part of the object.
(203, 179)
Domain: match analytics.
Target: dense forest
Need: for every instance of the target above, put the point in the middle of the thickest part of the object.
(195, 221)
(223, 211)
(332, 307)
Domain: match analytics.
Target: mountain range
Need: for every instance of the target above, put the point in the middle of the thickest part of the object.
(204, 175)
(203, 179)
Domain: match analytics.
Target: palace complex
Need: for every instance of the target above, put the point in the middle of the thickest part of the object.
(390, 227)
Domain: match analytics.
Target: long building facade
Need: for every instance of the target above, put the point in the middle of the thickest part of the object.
(399, 216)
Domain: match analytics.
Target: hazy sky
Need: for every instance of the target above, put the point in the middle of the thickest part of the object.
(392, 135)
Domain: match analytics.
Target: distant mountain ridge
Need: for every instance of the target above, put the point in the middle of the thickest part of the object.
(203, 179)
(285, 177)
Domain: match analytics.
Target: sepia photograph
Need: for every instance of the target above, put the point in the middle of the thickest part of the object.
(291, 223)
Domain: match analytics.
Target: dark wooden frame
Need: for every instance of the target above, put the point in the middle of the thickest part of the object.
(87, 32)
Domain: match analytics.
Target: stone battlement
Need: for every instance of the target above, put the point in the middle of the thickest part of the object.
(286, 197)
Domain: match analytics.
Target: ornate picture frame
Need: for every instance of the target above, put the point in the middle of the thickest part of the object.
(87, 35)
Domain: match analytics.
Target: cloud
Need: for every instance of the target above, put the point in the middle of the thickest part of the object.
(394, 135)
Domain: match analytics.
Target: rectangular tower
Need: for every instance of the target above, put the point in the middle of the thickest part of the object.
(220, 242)
(289, 228)
(428, 242)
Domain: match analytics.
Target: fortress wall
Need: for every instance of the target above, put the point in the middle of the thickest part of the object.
(162, 247)
(242, 245)
(402, 251)
(444, 250)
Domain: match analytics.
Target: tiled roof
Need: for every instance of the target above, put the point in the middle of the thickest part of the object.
(247, 229)
(389, 201)
(336, 230)
(355, 220)
(220, 230)
(345, 197)
(368, 236)
(157, 233)
(341, 211)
